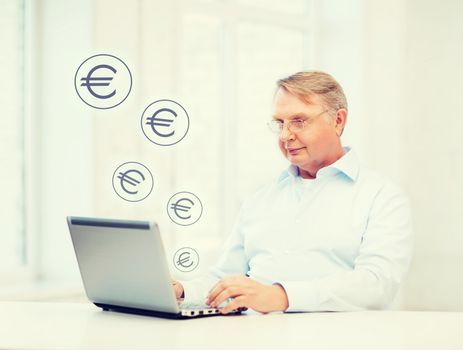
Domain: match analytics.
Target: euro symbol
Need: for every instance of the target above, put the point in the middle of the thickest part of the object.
(153, 121)
(90, 81)
(182, 261)
(176, 206)
(130, 180)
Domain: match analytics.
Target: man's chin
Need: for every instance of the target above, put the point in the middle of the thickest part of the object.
(296, 159)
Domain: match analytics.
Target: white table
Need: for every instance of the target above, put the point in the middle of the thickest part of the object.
(32, 325)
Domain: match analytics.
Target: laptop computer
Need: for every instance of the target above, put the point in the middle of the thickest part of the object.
(124, 268)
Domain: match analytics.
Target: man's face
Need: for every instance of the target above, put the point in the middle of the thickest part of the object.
(317, 144)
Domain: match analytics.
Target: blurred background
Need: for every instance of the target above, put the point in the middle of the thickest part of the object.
(399, 61)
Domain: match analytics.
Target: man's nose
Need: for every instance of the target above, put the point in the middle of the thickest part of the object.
(285, 133)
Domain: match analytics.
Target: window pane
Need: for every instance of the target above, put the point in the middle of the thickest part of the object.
(11, 133)
(198, 157)
(258, 71)
(200, 89)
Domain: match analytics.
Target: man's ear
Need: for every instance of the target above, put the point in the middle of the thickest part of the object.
(340, 120)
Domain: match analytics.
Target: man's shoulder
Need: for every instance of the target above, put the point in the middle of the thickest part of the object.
(375, 182)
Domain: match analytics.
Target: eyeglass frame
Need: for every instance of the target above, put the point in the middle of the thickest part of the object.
(281, 125)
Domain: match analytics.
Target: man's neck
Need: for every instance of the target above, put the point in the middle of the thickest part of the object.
(311, 173)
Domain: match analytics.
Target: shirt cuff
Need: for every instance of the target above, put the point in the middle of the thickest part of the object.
(302, 296)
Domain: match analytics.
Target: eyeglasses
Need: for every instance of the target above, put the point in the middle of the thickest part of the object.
(295, 125)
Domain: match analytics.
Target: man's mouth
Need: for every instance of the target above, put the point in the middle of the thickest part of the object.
(294, 151)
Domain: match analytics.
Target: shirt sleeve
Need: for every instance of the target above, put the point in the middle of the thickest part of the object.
(384, 256)
(232, 261)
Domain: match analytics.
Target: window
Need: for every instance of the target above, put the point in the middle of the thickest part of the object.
(230, 85)
(199, 51)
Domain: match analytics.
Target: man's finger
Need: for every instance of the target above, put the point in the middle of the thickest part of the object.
(234, 304)
(216, 290)
(213, 292)
(220, 286)
(229, 292)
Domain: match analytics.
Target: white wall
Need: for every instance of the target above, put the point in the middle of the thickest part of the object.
(406, 112)
(432, 150)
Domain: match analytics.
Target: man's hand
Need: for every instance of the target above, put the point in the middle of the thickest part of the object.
(178, 288)
(246, 292)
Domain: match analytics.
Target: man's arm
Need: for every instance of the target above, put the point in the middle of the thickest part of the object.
(384, 257)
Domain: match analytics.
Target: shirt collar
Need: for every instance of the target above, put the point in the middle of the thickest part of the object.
(348, 164)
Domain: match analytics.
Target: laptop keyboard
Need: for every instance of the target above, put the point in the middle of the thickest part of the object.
(192, 305)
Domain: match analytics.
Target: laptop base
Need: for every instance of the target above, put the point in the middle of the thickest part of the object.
(143, 312)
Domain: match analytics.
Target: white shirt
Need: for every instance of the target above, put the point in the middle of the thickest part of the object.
(340, 242)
